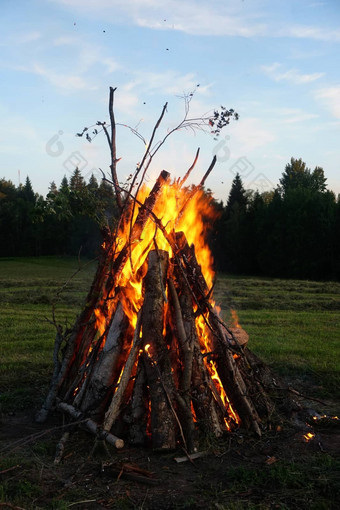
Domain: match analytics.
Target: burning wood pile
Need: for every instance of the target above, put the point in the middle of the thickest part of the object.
(149, 360)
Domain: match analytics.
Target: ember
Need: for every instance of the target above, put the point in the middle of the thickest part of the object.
(309, 436)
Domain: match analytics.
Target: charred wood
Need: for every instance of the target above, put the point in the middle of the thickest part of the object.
(157, 362)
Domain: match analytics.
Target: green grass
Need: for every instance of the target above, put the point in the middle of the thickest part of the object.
(284, 485)
(30, 288)
(293, 325)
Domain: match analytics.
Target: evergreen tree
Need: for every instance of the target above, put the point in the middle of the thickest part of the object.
(237, 198)
(53, 188)
(77, 181)
(230, 246)
(9, 218)
(26, 191)
(64, 187)
(93, 184)
(297, 175)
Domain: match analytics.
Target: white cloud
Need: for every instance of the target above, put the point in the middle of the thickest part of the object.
(275, 72)
(66, 40)
(292, 115)
(28, 37)
(169, 83)
(249, 134)
(196, 17)
(66, 82)
(88, 55)
(330, 96)
(310, 32)
(125, 101)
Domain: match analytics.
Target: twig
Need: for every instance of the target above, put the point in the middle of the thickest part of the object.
(295, 392)
(9, 505)
(147, 151)
(81, 502)
(9, 469)
(33, 437)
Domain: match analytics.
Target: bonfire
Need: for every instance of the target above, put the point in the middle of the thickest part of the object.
(149, 360)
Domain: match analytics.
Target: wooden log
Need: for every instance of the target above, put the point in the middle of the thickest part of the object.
(196, 385)
(90, 425)
(108, 365)
(232, 380)
(137, 413)
(222, 340)
(157, 363)
(136, 231)
(50, 399)
(183, 395)
(83, 331)
(114, 408)
(60, 448)
(185, 338)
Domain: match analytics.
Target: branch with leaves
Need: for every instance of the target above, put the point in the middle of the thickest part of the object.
(212, 123)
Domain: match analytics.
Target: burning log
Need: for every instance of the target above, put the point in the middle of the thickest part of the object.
(108, 364)
(137, 413)
(116, 401)
(157, 362)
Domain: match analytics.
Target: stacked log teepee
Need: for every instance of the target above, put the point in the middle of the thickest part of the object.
(157, 365)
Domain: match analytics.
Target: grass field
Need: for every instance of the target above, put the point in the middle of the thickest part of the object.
(29, 288)
(293, 325)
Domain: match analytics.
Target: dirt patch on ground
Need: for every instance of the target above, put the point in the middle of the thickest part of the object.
(280, 470)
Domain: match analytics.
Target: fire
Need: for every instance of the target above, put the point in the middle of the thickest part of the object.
(211, 366)
(234, 318)
(179, 210)
(309, 436)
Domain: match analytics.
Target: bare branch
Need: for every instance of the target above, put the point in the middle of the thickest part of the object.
(113, 149)
(147, 151)
(190, 169)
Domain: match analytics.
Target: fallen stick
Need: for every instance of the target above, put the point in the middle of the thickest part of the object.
(9, 469)
(91, 425)
(191, 457)
(60, 448)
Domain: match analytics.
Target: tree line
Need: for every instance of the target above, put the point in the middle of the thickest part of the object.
(67, 220)
(290, 232)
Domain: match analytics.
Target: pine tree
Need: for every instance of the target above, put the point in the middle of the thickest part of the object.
(64, 187)
(27, 192)
(77, 181)
(237, 198)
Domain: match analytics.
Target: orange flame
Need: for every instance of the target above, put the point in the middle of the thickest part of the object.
(234, 318)
(309, 436)
(178, 211)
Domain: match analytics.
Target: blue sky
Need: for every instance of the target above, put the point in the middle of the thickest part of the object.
(275, 62)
